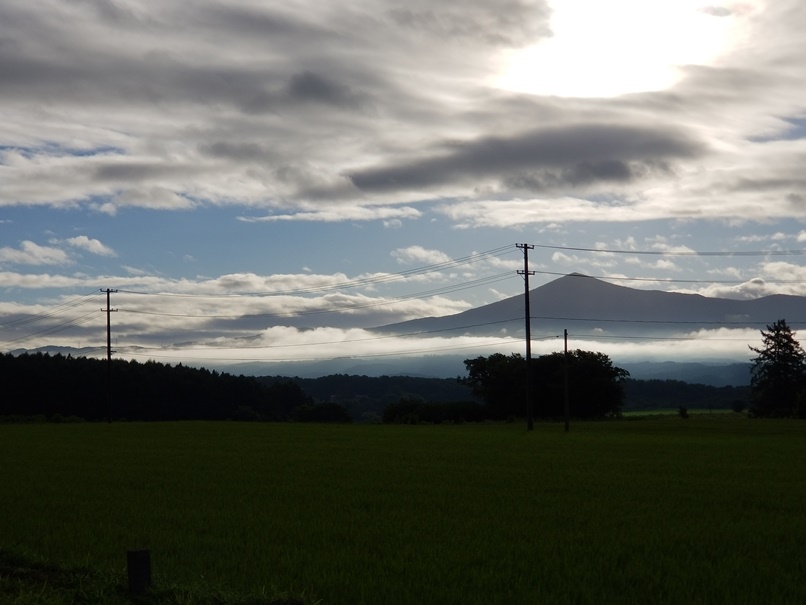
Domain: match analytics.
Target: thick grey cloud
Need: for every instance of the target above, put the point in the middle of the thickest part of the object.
(244, 152)
(585, 174)
(376, 103)
(71, 56)
(541, 159)
(132, 171)
(309, 86)
(232, 19)
(509, 23)
(717, 11)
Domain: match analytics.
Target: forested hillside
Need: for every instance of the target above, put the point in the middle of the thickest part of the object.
(657, 394)
(372, 395)
(57, 387)
(365, 396)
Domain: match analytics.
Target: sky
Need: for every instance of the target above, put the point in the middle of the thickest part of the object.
(261, 180)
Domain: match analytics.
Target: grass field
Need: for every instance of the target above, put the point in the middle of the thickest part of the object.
(705, 510)
(676, 412)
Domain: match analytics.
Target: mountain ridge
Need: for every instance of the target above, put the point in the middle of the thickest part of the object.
(593, 306)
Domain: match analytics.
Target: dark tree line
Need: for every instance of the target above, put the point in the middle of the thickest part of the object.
(655, 394)
(595, 385)
(60, 387)
(366, 397)
(345, 386)
(40, 385)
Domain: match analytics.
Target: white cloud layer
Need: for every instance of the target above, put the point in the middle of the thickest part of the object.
(31, 253)
(419, 255)
(93, 246)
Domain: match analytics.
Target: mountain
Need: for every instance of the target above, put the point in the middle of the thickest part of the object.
(65, 351)
(589, 307)
(425, 366)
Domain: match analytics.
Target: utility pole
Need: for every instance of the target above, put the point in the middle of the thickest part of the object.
(566, 406)
(528, 318)
(109, 311)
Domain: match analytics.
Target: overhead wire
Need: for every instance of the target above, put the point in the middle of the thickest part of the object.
(369, 338)
(654, 338)
(434, 292)
(359, 282)
(661, 321)
(397, 353)
(66, 325)
(678, 252)
(666, 280)
(52, 311)
(434, 267)
(335, 308)
(50, 314)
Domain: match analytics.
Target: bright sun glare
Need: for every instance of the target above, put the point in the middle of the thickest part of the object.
(608, 48)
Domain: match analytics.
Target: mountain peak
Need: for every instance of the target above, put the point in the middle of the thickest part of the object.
(594, 307)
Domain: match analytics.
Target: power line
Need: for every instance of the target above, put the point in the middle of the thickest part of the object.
(663, 321)
(338, 308)
(678, 252)
(653, 338)
(497, 342)
(667, 280)
(52, 311)
(366, 281)
(353, 340)
(87, 317)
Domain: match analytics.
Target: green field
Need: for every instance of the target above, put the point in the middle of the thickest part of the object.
(676, 412)
(705, 510)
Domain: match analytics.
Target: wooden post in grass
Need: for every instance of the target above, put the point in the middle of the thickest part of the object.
(138, 564)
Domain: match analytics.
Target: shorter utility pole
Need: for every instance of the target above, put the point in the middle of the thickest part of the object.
(566, 406)
(530, 425)
(109, 311)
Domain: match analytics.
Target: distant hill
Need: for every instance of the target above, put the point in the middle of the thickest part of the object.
(451, 366)
(589, 307)
(57, 350)
(715, 375)
(425, 366)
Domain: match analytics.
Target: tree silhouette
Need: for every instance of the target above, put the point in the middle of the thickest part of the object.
(500, 382)
(778, 375)
(595, 385)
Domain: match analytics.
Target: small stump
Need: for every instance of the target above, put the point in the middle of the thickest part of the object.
(138, 564)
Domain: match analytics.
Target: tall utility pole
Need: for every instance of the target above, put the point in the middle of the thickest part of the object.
(528, 318)
(109, 311)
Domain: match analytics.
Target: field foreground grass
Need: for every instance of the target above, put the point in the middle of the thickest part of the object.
(707, 510)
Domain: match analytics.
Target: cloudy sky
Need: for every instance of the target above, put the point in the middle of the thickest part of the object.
(264, 180)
